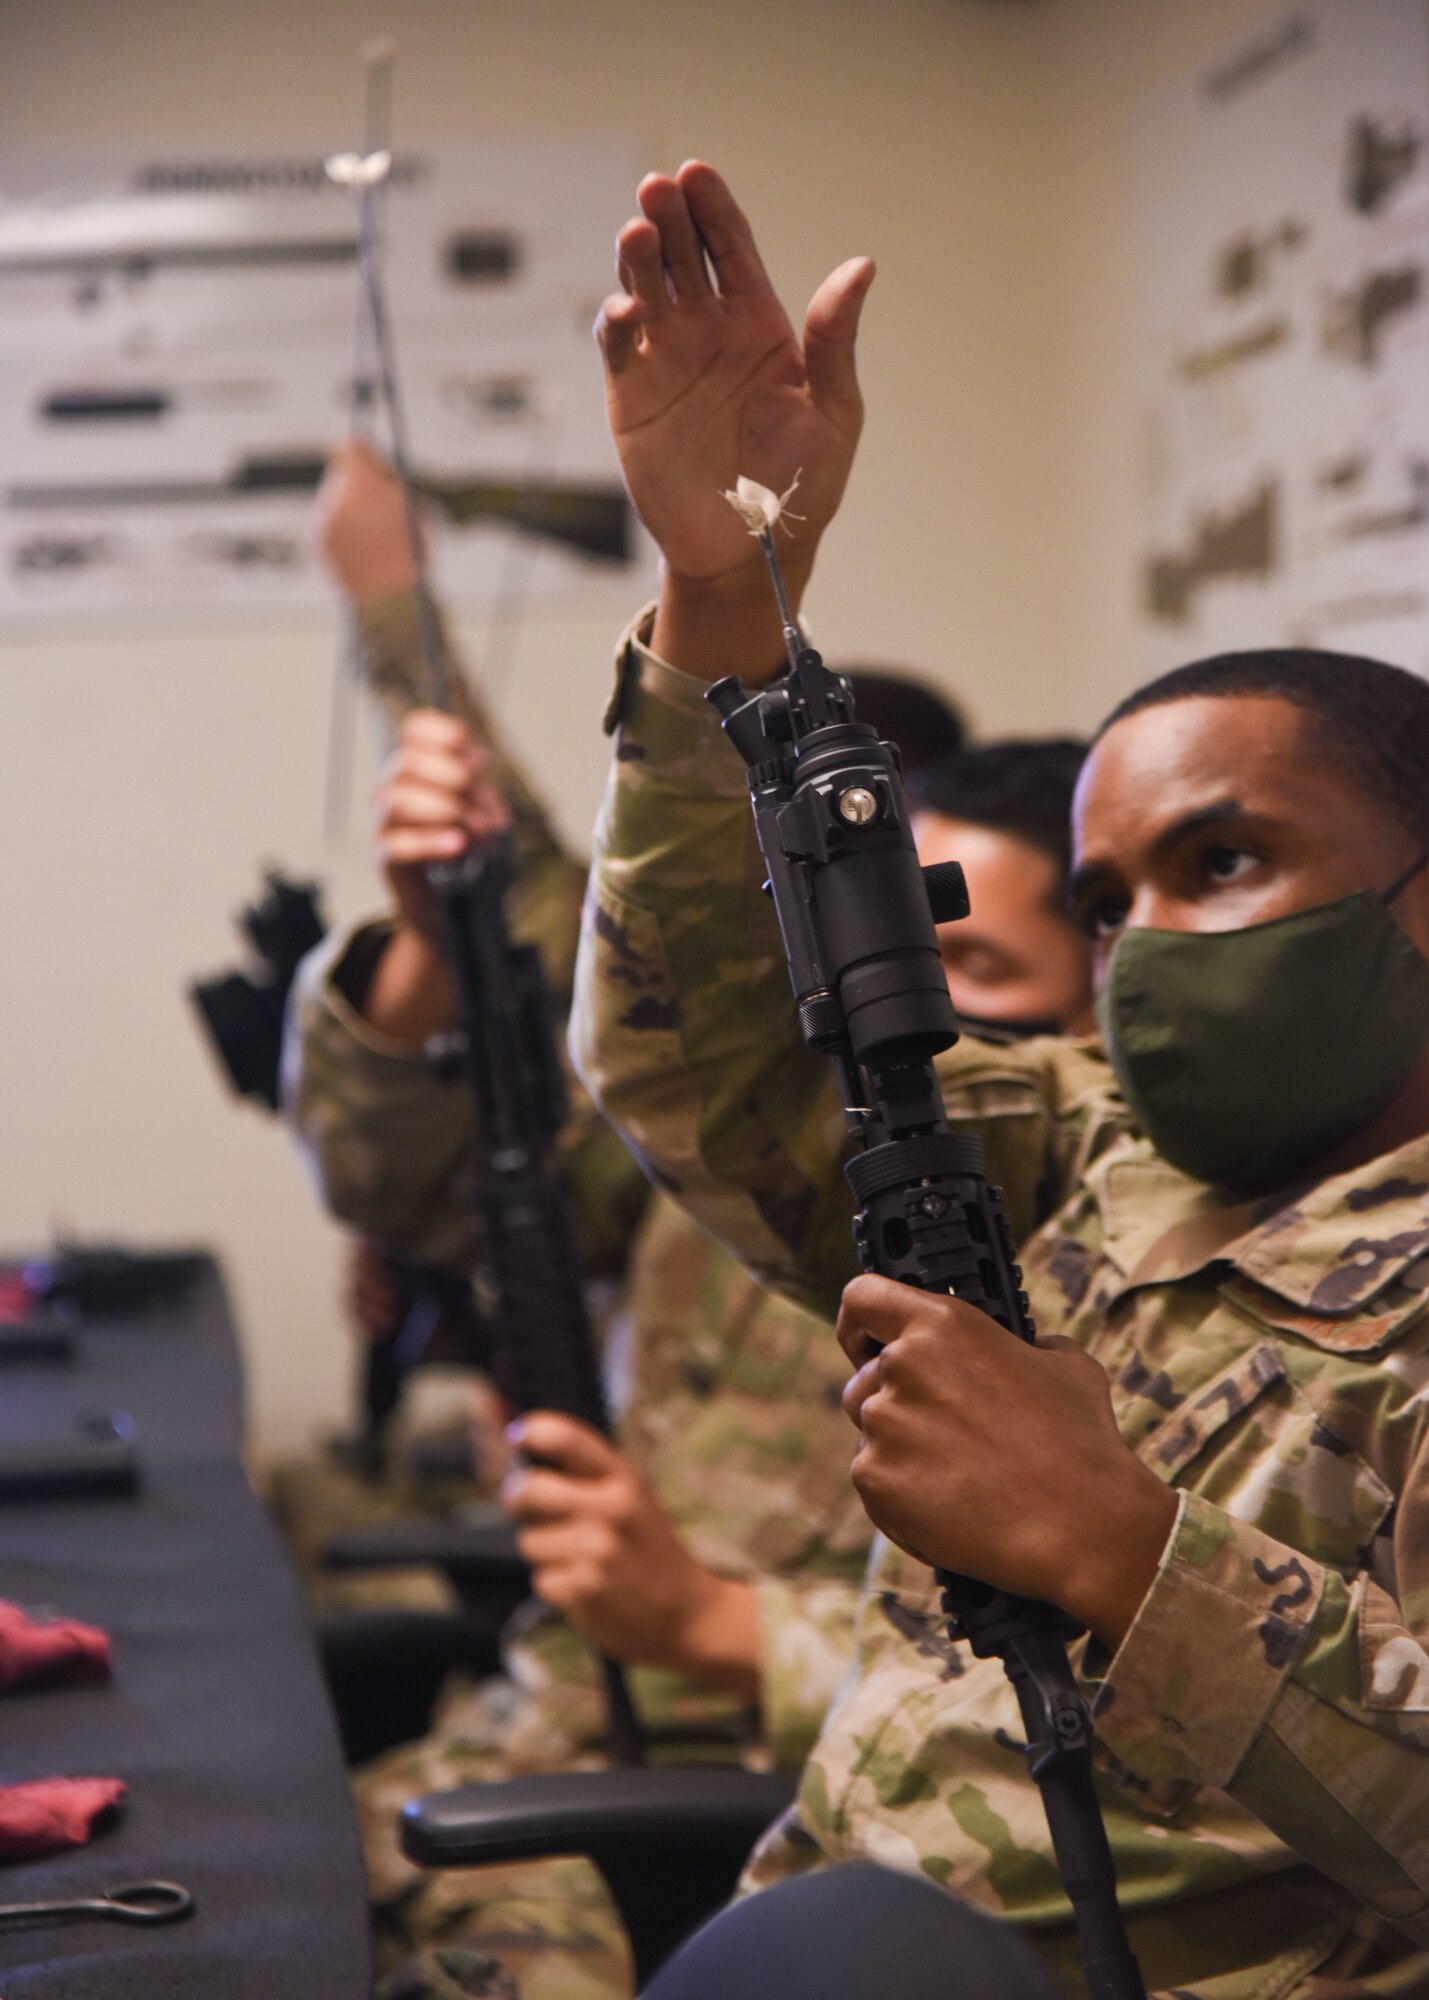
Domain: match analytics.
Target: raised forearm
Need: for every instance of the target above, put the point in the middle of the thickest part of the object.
(727, 624)
(411, 997)
(683, 1024)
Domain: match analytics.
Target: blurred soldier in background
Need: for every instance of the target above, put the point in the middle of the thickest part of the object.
(718, 1548)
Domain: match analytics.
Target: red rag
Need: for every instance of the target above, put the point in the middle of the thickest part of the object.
(53, 1812)
(17, 1298)
(53, 1649)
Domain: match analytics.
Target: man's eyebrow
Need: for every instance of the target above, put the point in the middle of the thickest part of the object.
(1090, 875)
(1218, 812)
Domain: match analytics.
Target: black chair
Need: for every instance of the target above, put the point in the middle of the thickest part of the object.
(480, 1557)
(384, 1669)
(669, 1842)
(854, 1933)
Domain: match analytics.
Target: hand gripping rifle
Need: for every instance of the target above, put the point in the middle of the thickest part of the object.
(856, 914)
(544, 1352)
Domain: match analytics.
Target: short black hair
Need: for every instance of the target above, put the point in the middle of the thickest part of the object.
(1370, 719)
(905, 710)
(1023, 786)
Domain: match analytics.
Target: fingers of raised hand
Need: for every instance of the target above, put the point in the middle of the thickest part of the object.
(640, 264)
(662, 202)
(417, 847)
(432, 729)
(429, 793)
(489, 813)
(617, 330)
(409, 806)
(830, 330)
(723, 229)
(688, 223)
(451, 773)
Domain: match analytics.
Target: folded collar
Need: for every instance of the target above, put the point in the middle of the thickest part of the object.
(1327, 1248)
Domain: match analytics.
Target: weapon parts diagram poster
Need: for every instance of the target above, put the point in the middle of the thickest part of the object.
(179, 347)
(1283, 352)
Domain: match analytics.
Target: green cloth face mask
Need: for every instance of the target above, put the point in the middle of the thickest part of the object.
(1246, 1054)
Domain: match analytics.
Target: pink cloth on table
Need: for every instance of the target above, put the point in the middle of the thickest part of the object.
(17, 1297)
(51, 1813)
(51, 1649)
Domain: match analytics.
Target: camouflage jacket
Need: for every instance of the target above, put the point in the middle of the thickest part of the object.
(1263, 1728)
(728, 1395)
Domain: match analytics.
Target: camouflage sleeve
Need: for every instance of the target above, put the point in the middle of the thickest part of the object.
(388, 1141)
(684, 1027)
(1304, 1695)
(388, 1138)
(806, 1650)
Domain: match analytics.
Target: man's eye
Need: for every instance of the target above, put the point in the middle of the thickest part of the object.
(1227, 864)
(1103, 918)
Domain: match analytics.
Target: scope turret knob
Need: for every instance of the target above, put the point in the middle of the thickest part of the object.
(858, 805)
(947, 891)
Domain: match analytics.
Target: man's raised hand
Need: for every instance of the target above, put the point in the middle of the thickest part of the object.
(434, 801)
(361, 525)
(706, 380)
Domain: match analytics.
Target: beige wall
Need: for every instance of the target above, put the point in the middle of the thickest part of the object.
(977, 149)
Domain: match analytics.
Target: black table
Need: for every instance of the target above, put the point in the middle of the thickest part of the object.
(216, 1718)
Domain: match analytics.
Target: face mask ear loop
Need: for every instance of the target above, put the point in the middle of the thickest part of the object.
(1402, 882)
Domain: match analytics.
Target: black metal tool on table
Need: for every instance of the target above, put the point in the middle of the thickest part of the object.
(544, 1353)
(856, 915)
(97, 1459)
(133, 1903)
(40, 1336)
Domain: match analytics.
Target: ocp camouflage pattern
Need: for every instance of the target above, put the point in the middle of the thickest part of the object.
(728, 1401)
(1263, 1728)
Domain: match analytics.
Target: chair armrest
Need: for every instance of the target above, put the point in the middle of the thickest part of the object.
(670, 1843)
(478, 1553)
(385, 1668)
(584, 1812)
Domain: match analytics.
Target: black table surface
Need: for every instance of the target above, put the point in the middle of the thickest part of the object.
(216, 1718)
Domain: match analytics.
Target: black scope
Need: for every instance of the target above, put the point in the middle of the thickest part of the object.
(856, 909)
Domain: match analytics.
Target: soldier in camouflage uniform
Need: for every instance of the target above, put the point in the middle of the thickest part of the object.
(1220, 1470)
(412, 1186)
(734, 1461)
(730, 1410)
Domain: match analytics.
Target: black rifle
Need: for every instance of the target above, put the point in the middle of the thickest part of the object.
(544, 1352)
(857, 916)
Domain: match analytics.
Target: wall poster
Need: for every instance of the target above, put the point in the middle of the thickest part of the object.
(1283, 342)
(177, 351)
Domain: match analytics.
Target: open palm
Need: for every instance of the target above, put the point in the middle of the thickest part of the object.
(706, 380)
